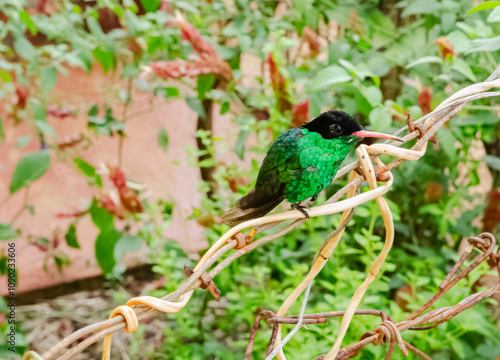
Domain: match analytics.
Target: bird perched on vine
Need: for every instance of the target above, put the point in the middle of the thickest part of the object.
(300, 163)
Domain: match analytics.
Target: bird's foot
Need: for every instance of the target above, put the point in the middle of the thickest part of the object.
(300, 208)
(314, 198)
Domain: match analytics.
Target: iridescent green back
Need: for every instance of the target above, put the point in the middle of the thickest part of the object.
(301, 163)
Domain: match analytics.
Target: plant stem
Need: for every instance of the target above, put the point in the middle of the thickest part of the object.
(23, 206)
(203, 308)
(206, 123)
(124, 119)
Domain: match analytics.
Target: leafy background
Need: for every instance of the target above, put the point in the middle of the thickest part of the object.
(378, 60)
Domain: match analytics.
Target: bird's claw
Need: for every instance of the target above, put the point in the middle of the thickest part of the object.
(300, 208)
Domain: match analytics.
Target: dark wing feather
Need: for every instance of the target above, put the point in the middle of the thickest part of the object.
(279, 166)
(254, 205)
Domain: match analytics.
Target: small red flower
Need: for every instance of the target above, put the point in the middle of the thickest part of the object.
(424, 100)
(207, 62)
(277, 79)
(278, 82)
(130, 200)
(71, 214)
(189, 33)
(60, 112)
(106, 202)
(165, 7)
(300, 113)
(128, 197)
(20, 99)
(445, 47)
(117, 177)
(179, 68)
(43, 7)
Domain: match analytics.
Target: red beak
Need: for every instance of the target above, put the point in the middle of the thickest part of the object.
(365, 133)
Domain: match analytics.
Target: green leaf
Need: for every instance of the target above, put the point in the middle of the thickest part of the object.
(431, 209)
(167, 92)
(132, 23)
(328, 76)
(24, 48)
(372, 94)
(207, 163)
(127, 243)
(186, 6)
(70, 237)
(94, 27)
(49, 78)
(105, 58)
(40, 112)
(162, 138)
(151, 5)
(225, 108)
(30, 168)
(101, 217)
(461, 42)
(89, 171)
(30, 25)
(447, 141)
(104, 249)
(23, 141)
(85, 167)
(422, 7)
(463, 68)
(171, 92)
(129, 71)
(239, 147)
(195, 105)
(5, 76)
(492, 161)
(6, 233)
(61, 259)
(380, 119)
(491, 44)
(425, 60)
(205, 83)
(93, 111)
(45, 128)
(494, 16)
(484, 6)
(448, 21)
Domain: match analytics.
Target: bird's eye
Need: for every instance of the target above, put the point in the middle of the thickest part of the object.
(337, 128)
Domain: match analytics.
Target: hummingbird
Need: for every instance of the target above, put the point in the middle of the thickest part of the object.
(300, 164)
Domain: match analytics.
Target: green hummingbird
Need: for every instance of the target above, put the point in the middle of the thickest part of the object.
(300, 163)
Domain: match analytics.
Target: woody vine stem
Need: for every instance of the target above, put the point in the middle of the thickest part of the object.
(370, 168)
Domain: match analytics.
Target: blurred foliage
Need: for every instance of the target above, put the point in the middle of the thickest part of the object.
(377, 60)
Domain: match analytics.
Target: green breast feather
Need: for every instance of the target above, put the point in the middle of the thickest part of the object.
(301, 163)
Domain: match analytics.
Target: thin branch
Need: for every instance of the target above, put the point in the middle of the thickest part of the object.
(23, 207)
(297, 327)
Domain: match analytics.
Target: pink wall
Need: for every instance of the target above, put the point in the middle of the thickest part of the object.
(62, 189)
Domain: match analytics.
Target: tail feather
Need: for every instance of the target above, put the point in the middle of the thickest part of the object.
(254, 205)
